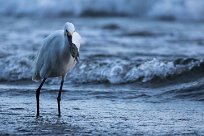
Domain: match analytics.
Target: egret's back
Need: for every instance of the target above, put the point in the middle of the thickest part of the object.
(48, 53)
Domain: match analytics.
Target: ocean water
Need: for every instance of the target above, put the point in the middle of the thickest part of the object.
(134, 77)
(140, 70)
(159, 9)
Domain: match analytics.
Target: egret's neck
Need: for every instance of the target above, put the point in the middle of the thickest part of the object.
(66, 48)
(67, 40)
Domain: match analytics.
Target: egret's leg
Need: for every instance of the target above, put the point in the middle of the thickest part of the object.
(59, 96)
(38, 95)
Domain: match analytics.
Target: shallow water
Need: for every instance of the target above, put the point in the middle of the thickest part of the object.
(93, 111)
(134, 77)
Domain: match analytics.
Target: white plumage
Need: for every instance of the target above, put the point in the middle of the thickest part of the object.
(54, 58)
(58, 55)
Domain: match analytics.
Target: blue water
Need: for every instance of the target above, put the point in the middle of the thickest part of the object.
(135, 76)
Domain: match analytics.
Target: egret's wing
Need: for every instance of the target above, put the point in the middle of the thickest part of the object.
(44, 57)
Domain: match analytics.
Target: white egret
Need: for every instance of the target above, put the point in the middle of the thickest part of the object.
(58, 55)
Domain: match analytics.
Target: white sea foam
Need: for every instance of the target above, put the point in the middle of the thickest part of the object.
(177, 9)
(123, 71)
(114, 71)
(14, 68)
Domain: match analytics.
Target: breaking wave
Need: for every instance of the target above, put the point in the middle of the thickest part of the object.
(105, 70)
(14, 68)
(162, 9)
(123, 71)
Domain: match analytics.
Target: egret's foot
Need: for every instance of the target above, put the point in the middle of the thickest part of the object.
(37, 115)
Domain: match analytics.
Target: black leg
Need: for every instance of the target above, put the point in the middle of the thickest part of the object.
(59, 96)
(38, 95)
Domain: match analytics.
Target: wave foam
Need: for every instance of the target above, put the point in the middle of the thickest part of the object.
(123, 71)
(14, 68)
(103, 70)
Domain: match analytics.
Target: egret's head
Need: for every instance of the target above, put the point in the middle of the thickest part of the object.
(69, 29)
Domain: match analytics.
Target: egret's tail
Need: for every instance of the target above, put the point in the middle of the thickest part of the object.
(36, 77)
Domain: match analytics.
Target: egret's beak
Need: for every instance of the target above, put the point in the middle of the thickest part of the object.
(69, 36)
(68, 33)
